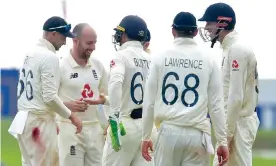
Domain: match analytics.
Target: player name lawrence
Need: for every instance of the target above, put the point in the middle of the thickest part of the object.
(185, 63)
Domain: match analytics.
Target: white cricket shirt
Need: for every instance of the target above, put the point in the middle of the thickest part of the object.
(39, 79)
(78, 82)
(240, 80)
(128, 71)
(182, 85)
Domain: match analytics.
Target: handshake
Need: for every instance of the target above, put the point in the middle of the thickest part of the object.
(116, 125)
(82, 104)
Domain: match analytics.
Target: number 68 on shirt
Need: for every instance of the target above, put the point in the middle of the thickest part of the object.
(187, 88)
(165, 86)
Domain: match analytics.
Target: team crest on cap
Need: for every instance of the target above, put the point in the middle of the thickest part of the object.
(141, 33)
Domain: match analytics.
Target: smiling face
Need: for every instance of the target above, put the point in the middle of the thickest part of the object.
(86, 42)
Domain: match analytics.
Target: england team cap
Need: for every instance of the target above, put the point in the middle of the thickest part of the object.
(184, 21)
(58, 24)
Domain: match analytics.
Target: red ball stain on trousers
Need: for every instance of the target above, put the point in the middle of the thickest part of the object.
(36, 134)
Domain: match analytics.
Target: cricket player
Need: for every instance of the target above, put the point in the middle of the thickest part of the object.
(82, 78)
(182, 86)
(240, 82)
(34, 125)
(128, 71)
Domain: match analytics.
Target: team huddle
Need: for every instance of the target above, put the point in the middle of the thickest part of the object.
(156, 107)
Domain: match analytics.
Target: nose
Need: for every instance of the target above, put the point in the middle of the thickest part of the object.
(93, 46)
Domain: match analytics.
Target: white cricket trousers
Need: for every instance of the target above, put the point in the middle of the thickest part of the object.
(180, 146)
(38, 142)
(82, 149)
(130, 153)
(243, 140)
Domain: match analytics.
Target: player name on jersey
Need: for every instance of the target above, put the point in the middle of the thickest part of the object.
(141, 63)
(185, 63)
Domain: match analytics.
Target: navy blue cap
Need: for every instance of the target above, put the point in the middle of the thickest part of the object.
(184, 21)
(214, 11)
(58, 24)
(134, 26)
(148, 37)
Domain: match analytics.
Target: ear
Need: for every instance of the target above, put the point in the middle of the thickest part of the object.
(75, 40)
(146, 45)
(196, 32)
(173, 32)
(124, 36)
(54, 33)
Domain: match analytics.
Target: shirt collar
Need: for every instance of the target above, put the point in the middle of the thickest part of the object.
(136, 44)
(182, 40)
(229, 39)
(46, 44)
(73, 62)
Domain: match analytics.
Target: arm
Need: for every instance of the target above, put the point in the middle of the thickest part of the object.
(215, 105)
(50, 79)
(149, 100)
(237, 69)
(103, 89)
(104, 86)
(117, 73)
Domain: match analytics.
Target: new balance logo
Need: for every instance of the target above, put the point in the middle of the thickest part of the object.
(74, 75)
(72, 150)
(95, 74)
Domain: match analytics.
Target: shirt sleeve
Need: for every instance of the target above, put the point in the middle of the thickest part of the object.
(116, 78)
(104, 82)
(50, 80)
(237, 68)
(50, 77)
(103, 88)
(149, 101)
(215, 105)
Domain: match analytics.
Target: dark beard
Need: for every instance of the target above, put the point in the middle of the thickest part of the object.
(84, 56)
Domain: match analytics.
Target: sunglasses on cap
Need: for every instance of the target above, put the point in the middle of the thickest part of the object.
(65, 27)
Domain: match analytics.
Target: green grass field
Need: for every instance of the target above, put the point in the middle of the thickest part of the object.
(10, 154)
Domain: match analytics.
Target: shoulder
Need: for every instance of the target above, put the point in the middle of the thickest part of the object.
(209, 55)
(97, 63)
(46, 54)
(120, 56)
(158, 57)
(240, 49)
(64, 64)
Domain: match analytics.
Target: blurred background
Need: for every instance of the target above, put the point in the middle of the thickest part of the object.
(23, 22)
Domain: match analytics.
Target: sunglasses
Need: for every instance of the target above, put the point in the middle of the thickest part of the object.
(65, 27)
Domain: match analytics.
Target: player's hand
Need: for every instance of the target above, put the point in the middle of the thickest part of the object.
(105, 130)
(223, 154)
(230, 143)
(146, 145)
(76, 106)
(76, 121)
(100, 100)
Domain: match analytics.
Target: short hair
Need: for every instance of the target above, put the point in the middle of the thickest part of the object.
(78, 28)
(189, 32)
